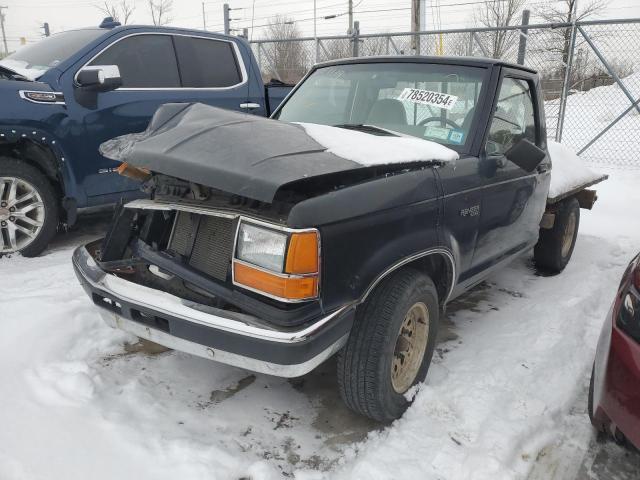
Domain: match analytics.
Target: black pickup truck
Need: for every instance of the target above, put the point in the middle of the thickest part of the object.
(379, 190)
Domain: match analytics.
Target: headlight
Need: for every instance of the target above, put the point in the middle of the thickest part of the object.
(281, 264)
(262, 247)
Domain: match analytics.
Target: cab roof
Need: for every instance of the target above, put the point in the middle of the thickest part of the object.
(463, 61)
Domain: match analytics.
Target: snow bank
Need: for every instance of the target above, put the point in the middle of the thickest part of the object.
(568, 170)
(368, 149)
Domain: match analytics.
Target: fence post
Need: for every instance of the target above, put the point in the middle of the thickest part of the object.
(356, 38)
(522, 45)
(470, 45)
(565, 85)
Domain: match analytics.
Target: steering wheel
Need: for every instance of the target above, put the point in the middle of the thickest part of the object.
(439, 119)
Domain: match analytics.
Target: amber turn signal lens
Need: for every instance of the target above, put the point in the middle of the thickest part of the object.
(290, 288)
(140, 174)
(302, 256)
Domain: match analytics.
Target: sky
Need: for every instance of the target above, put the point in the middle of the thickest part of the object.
(24, 18)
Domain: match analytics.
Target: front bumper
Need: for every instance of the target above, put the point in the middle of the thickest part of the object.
(227, 337)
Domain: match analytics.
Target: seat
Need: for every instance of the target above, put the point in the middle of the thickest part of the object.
(387, 111)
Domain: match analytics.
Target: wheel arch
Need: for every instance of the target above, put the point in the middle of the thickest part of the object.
(438, 263)
(42, 151)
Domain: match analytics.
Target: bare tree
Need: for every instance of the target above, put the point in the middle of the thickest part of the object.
(285, 56)
(160, 11)
(565, 11)
(499, 13)
(121, 11)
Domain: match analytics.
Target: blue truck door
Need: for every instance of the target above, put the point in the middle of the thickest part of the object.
(513, 200)
(151, 77)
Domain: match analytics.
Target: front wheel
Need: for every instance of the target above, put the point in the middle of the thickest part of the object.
(555, 245)
(28, 209)
(390, 346)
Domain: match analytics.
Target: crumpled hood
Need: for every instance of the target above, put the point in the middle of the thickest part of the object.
(253, 156)
(234, 152)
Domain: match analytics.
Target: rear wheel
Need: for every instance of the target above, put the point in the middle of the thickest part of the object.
(555, 245)
(28, 209)
(390, 346)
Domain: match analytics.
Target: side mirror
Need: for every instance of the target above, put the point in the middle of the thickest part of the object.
(100, 78)
(526, 155)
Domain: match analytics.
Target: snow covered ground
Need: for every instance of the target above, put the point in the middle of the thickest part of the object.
(79, 400)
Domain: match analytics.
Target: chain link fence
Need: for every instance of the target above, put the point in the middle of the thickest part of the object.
(590, 73)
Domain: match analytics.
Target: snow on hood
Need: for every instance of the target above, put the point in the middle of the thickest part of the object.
(367, 149)
(30, 73)
(568, 170)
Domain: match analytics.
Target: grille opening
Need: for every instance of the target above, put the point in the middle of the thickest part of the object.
(150, 320)
(205, 242)
(107, 303)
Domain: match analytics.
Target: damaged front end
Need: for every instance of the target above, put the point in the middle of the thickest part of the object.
(172, 273)
(225, 260)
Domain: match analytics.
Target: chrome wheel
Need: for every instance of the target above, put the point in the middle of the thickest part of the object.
(411, 344)
(22, 214)
(567, 238)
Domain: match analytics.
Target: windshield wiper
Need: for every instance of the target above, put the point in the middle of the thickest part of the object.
(361, 127)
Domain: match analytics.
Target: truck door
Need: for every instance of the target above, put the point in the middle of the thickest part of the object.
(513, 200)
(152, 74)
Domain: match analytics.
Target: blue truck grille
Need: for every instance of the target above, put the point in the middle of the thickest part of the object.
(205, 242)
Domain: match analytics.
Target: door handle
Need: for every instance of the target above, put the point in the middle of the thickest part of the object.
(250, 106)
(545, 167)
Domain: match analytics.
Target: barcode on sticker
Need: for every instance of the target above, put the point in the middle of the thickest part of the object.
(427, 97)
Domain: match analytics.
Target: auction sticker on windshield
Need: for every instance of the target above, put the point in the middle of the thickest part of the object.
(427, 97)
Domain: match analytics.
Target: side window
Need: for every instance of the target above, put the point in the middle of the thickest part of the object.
(513, 118)
(206, 63)
(145, 61)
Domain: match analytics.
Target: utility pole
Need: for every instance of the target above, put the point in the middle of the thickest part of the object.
(350, 29)
(4, 35)
(204, 18)
(225, 13)
(415, 26)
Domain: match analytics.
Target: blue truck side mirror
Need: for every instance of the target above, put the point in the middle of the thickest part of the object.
(100, 78)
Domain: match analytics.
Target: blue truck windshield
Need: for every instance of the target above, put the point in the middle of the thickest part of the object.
(33, 60)
(429, 101)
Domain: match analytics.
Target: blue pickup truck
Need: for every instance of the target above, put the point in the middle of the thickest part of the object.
(65, 95)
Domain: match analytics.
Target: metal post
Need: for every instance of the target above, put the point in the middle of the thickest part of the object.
(522, 45)
(4, 35)
(225, 14)
(470, 46)
(204, 18)
(356, 38)
(350, 28)
(565, 85)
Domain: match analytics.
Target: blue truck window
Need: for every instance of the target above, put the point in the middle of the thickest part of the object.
(206, 63)
(145, 61)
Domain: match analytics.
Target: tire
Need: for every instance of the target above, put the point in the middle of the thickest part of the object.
(555, 246)
(39, 215)
(375, 349)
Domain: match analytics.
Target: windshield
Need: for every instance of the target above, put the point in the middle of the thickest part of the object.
(428, 101)
(35, 59)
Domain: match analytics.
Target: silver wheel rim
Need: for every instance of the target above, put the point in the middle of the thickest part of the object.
(567, 239)
(411, 343)
(22, 214)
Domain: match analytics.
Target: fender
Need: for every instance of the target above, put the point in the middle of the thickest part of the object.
(16, 135)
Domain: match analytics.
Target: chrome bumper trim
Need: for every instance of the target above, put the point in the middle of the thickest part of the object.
(171, 305)
(241, 361)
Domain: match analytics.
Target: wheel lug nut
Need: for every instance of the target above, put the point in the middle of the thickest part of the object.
(3, 204)
(13, 219)
(3, 223)
(12, 209)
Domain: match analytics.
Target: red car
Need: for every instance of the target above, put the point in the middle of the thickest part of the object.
(614, 393)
